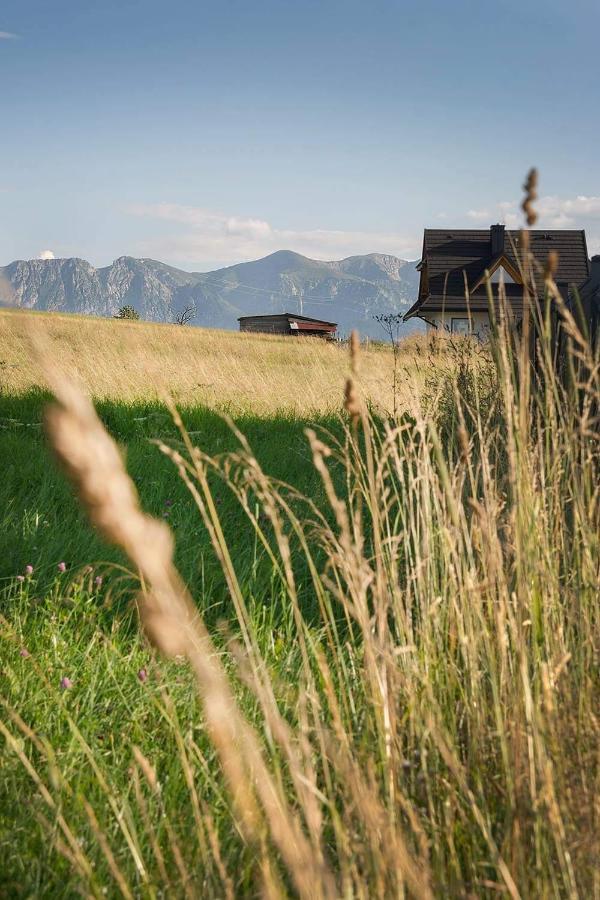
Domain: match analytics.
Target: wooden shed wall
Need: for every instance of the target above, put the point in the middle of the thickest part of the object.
(266, 325)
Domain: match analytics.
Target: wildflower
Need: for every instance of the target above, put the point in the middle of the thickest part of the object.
(98, 580)
(62, 567)
(168, 502)
(29, 570)
(20, 578)
(24, 652)
(142, 675)
(166, 514)
(66, 683)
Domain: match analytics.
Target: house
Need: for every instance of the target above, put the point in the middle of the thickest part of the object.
(586, 306)
(289, 323)
(452, 290)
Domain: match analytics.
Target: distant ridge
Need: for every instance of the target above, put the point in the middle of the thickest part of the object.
(349, 291)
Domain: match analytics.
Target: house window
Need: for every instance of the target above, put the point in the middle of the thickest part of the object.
(460, 326)
(501, 272)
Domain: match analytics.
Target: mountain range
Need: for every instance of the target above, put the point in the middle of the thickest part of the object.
(350, 291)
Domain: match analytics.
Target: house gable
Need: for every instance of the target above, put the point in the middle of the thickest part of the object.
(503, 269)
(454, 264)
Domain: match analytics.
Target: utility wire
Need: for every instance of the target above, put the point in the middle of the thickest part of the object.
(240, 285)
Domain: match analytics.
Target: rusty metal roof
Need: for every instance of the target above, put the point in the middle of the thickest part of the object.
(303, 321)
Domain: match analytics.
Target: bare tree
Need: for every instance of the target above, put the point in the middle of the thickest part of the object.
(186, 315)
(391, 322)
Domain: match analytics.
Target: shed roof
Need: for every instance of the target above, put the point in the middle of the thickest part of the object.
(290, 317)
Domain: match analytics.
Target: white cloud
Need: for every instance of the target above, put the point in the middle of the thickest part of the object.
(568, 213)
(479, 215)
(253, 229)
(553, 212)
(7, 36)
(46, 254)
(216, 237)
(509, 214)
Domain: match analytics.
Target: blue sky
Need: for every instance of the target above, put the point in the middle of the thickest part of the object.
(203, 133)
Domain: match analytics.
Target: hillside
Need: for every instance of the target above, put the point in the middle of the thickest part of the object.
(141, 361)
(350, 291)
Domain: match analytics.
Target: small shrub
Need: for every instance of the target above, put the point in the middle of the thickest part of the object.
(128, 312)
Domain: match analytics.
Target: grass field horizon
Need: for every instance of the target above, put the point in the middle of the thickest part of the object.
(370, 668)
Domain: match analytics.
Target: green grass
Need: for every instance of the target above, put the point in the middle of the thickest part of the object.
(107, 709)
(72, 627)
(43, 525)
(413, 654)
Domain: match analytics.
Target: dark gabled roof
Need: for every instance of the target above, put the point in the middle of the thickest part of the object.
(456, 260)
(290, 317)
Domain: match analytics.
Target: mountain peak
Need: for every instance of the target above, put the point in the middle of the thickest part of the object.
(127, 261)
(286, 256)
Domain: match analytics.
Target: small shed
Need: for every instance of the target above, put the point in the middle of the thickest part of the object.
(289, 323)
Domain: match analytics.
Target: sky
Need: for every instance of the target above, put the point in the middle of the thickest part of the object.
(207, 132)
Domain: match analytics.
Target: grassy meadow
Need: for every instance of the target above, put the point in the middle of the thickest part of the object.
(271, 386)
(368, 667)
(227, 371)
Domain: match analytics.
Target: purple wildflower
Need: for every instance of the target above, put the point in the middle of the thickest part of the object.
(98, 580)
(66, 683)
(29, 570)
(62, 567)
(142, 675)
(168, 502)
(20, 578)
(24, 652)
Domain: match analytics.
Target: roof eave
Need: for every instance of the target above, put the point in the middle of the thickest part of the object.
(414, 310)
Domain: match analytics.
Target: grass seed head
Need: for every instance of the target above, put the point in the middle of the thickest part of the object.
(551, 267)
(352, 400)
(530, 188)
(147, 769)
(354, 351)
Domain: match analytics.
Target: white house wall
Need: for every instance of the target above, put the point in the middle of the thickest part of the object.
(480, 322)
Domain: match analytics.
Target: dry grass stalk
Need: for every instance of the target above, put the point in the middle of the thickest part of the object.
(530, 188)
(352, 400)
(107, 851)
(171, 622)
(354, 351)
(150, 830)
(73, 849)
